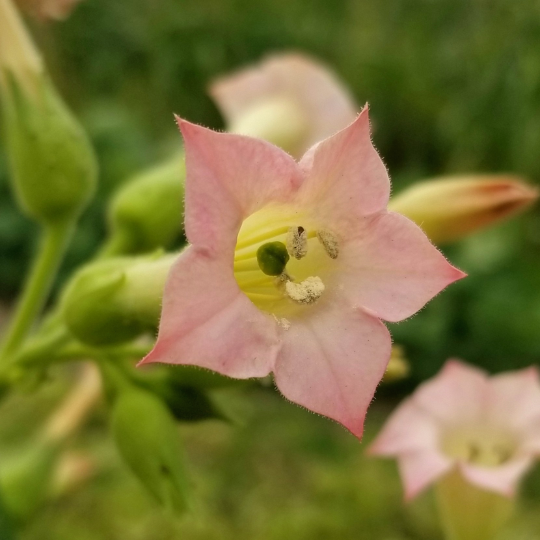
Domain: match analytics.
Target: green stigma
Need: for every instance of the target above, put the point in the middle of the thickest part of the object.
(272, 258)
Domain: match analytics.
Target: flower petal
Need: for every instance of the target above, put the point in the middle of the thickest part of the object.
(515, 399)
(420, 469)
(332, 361)
(456, 396)
(503, 479)
(408, 429)
(327, 103)
(207, 321)
(391, 268)
(345, 177)
(228, 178)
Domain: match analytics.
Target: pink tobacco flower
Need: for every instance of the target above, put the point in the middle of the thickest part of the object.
(289, 99)
(292, 266)
(49, 9)
(488, 428)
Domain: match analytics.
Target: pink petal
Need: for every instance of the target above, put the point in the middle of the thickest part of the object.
(420, 469)
(515, 399)
(327, 103)
(390, 267)
(457, 395)
(332, 361)
(345, 177)
(503, 479)
(228, 178)
(408, 429)
(208, 322)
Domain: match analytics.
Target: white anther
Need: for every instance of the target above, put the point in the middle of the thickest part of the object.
(297, 242)
(283, 322)
(329, 242)
(305, 292)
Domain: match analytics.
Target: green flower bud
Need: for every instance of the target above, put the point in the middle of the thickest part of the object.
(26, 478)
(187, 403)
(145, 213)
(53, 166)
(272, 258)
(147, 438)
(116, 300)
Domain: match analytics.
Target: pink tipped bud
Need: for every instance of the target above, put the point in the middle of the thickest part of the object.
(451, 208)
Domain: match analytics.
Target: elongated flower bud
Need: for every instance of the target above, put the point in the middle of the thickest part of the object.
(449, 209)
(145, 213)
(115, 300)
(52, 163)
(147, 438)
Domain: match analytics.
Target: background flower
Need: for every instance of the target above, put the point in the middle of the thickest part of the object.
(487, 427)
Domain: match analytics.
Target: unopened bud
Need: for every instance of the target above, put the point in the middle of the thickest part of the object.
(53, 165)
(449, 209)
(145, 213)
(398, 367)
(116, 300)
(26, 477)
(148, 440)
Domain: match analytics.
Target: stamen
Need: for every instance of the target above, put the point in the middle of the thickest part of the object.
(297, 242)
(329, 242)
(305, 292)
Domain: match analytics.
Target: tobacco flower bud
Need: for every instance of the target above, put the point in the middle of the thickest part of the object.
(53, 165)
(451, 208)
(145, 213)
(116, 300)
(147, 438)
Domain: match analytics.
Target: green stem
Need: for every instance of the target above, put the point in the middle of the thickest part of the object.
(38, 284)
(119, 243)
(468, 512)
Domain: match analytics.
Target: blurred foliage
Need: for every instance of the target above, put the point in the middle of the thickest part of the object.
(282, 474)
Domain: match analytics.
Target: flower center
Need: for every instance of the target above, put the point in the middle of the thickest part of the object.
(480, 446)
(282, 260)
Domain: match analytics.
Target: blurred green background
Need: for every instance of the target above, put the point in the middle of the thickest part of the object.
(454, 87)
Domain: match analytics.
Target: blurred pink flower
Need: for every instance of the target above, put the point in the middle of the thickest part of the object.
(285, 97)
(345, 263)
(486, 427)
(49, 9)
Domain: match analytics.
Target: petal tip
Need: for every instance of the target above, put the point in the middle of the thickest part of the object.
(150, 358)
